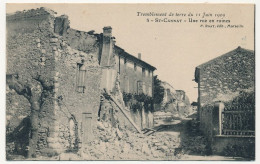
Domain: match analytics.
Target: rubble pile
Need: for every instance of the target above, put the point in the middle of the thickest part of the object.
(114, 144)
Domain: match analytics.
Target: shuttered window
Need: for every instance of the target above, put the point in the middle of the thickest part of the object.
(81, 78)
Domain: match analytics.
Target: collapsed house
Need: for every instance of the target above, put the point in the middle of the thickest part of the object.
(226, 102)
(55, 78)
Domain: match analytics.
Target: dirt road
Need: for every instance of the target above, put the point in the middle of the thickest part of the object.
(187, 142)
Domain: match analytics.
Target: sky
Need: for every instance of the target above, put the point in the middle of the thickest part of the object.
(175, 49)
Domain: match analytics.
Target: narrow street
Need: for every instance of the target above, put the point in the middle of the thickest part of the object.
(176, 139)
(185, 141)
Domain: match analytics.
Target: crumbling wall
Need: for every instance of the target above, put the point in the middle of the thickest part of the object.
(174, 101)
(87, 42)
(70, 103)
(33, 49)
(29, 54)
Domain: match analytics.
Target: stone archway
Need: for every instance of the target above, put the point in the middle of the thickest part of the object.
(73, 133)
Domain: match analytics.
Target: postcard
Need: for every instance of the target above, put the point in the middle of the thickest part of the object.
(142, 82)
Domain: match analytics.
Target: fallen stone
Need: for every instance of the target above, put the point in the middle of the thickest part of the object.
(119, 133)
(155, 141)
(100, 126)
(54, 40)
(145, 149)
(157, 144)
(162, 148)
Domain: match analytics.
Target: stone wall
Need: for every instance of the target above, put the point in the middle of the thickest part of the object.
(33, 49)
(236, 146)
(231, 72)
(72, 101)
(228, 79)
(222, 79)
(29, 53)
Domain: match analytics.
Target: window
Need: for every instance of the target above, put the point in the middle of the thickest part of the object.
(135, 66)
(143, 72)
(81, 75)
(139, 87)
(149, 73)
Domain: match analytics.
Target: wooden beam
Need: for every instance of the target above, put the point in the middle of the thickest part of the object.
(125, 114)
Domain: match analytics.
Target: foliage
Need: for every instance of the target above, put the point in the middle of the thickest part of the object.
(136, 106)
(143, 98)
(137, 100)
(158, 91)
(127, 97)
(245, 101)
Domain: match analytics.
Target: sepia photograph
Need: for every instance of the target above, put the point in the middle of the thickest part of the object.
(130, 82)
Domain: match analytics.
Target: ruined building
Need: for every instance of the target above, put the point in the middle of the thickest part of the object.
(174, 101)
(136, 76)
(55, 77)
(226, 102)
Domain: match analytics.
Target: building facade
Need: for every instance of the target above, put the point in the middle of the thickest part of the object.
(221, 79)
(66, 70)
(67, 78)
(136, 76)
(226, 102)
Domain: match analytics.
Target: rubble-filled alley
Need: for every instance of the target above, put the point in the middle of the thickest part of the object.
(179, 140)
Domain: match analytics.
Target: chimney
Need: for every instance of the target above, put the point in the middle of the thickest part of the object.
(106, 58)
(139, 56)
(61, 24)
(107, 31)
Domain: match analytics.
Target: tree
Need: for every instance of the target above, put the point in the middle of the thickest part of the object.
(35, 90)
(158, 90)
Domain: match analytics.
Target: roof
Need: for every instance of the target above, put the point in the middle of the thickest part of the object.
(128, 56)
(230, 53)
